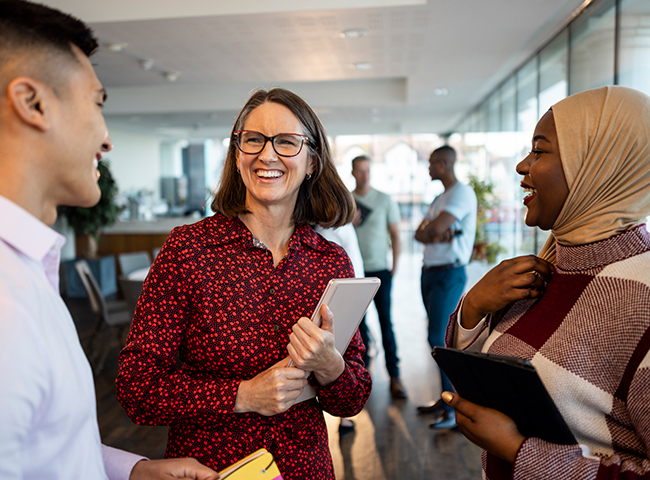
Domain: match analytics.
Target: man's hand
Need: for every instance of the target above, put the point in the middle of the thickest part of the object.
(489, 429)
(184, 468)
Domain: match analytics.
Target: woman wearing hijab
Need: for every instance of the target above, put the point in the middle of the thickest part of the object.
(230, 295)
(580, 312)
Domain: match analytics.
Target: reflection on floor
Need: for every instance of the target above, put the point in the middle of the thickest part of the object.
(390, 440)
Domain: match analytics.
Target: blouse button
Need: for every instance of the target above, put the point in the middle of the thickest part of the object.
(276, 328)
(272, 290)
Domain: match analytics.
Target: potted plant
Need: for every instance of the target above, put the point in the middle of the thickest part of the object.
(486, 200)
(88, 222)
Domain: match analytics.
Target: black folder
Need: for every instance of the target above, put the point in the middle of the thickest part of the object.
(507, 384)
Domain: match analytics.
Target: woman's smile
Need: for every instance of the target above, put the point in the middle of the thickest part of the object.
(266, 174)
(530, 191)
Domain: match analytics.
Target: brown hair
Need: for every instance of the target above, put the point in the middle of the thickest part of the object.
(322, 200)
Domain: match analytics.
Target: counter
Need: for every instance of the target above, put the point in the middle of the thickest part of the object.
(136, 236)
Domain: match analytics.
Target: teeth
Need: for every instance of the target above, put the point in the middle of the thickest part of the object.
(530, 190)
(95, 163)
(267, 174)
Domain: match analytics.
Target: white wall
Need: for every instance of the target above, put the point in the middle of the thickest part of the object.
(135, 162)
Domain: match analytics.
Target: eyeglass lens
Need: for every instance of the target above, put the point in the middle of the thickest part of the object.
(287, 145)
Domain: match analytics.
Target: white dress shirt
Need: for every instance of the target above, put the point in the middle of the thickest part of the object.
(48, 418)
(346, 237)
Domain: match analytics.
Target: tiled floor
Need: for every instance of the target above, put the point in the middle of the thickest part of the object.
(390, 442)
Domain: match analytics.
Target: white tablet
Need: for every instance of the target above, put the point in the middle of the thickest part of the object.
(348, 299)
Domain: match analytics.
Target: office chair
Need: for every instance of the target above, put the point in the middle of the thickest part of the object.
(113, 315)
(131, 289)
(132, 261)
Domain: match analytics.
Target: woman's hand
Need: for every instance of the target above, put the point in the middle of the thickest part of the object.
(272, 391)
(489, 429)
(312, 349)
(514, 279)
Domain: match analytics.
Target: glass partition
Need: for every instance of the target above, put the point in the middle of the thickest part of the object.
(634, 42)
(553, 72)
(592, 47)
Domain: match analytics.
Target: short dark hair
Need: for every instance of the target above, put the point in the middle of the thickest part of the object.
(360, 158)
(322, 200)
(27, 27)
(449, 152)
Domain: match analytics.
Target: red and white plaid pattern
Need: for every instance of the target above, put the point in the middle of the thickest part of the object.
(589, 339)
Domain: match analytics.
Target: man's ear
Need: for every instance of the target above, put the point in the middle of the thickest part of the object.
(28, 98)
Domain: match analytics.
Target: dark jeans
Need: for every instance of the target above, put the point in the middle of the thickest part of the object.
(382, 302)
(441, 291)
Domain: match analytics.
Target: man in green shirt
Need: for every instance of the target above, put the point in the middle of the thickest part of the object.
(378, 220)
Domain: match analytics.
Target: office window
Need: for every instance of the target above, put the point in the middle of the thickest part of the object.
(494, 112)
(592, 47)
(553, 65)
(527, 114)
(634, 45)
(509, 105)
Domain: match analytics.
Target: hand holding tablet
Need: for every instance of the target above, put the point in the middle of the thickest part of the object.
(348, 299)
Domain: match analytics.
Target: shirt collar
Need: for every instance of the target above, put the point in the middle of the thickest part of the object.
(303, 235)
(29, 236)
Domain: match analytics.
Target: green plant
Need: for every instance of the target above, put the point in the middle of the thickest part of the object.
(89, 221)
(486, 201)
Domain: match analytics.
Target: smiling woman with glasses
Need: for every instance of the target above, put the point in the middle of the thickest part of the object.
(284, 144)
(232, 295)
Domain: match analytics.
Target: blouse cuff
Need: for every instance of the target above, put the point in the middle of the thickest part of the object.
(118, 463)
(463, 337)
(337, 389)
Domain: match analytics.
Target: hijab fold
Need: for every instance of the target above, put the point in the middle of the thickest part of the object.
(604, 140)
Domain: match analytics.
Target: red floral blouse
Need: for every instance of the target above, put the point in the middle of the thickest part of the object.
(214, 298)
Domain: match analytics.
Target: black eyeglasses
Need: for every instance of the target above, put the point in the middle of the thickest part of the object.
(284, 144)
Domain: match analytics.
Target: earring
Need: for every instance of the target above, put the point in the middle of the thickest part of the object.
(308, 176)
(239, 171)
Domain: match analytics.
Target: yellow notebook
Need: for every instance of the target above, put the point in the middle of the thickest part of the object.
(259, 465)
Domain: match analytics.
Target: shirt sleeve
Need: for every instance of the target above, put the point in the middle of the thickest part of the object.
(461, 203)
(393, 212)
(350, 244)
(461, 338)
(24, 386)
(150, 386)
(118, 463)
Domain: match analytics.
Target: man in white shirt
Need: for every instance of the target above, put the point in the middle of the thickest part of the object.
(448, 232)
(52, 134)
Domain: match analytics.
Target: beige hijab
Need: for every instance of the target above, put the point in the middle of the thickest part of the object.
(604, 139)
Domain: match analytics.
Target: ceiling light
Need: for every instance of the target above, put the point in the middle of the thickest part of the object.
(171, 76)
(440, 91)
(146, 63)
(362, 65)
(353, 33)
(115, 47)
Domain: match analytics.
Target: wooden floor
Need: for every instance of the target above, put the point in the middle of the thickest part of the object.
(390, 442)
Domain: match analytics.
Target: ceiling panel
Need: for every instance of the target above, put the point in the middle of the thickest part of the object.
(222, 52)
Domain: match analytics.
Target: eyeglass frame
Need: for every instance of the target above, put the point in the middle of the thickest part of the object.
(271, 139)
